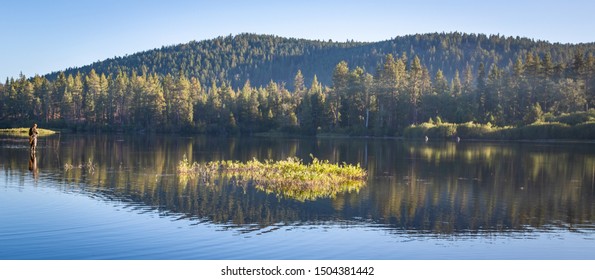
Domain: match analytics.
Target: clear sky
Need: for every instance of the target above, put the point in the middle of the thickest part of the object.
(39, 37)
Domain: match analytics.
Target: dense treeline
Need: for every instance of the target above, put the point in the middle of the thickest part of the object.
(402, 90)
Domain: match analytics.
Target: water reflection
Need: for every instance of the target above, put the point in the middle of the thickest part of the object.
(33, 163)
(438, 188)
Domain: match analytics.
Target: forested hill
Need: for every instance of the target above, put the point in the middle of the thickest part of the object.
(259, 83)
(262, 58)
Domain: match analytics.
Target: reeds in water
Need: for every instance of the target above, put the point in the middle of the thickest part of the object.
(289, 178)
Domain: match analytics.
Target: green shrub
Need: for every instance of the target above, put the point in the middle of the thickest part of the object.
(417, 131)
(443, 131)
(545, 131)
(476, 131)
(534, 131)
(573, 118)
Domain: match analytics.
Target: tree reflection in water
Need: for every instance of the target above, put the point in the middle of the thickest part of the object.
(438, 188)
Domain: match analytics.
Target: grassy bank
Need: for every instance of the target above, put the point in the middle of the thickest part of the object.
(24, 132)
(535, 131)
(289, 178)
(577, 126)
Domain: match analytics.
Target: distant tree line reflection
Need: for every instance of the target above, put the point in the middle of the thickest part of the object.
(421, 187)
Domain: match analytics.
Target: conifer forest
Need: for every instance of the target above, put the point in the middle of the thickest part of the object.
(244, 84)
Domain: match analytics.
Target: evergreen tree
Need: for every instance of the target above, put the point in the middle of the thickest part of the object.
(339, 91)
(415, 88)
(534, 115)
(61, 96)
(441, 84)
(299, 93)
(46, 95)
(77, 90)
(120, 100)
(91, 94)
(178, 102)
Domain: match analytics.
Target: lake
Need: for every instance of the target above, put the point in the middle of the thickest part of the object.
(120, 197)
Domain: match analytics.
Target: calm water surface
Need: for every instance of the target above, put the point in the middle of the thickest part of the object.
(119, 197)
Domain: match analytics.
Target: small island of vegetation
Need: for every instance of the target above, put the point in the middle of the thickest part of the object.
(289, 178)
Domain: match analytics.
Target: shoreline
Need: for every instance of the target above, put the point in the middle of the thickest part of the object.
(23, 133)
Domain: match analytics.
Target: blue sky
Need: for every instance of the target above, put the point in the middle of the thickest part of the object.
(39, 37)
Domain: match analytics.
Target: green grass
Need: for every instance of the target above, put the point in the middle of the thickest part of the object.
(24, 132)
(289, 178)
(571, 129)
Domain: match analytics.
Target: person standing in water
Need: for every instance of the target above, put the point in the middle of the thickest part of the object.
(33, 137)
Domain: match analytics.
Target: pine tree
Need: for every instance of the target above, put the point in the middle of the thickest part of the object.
(441, 84)
(61, 96)
(339, 91)
(299, 93)
(415, 88)
(534, 115)
(120, 99)
(76, 87)
(90, 95)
